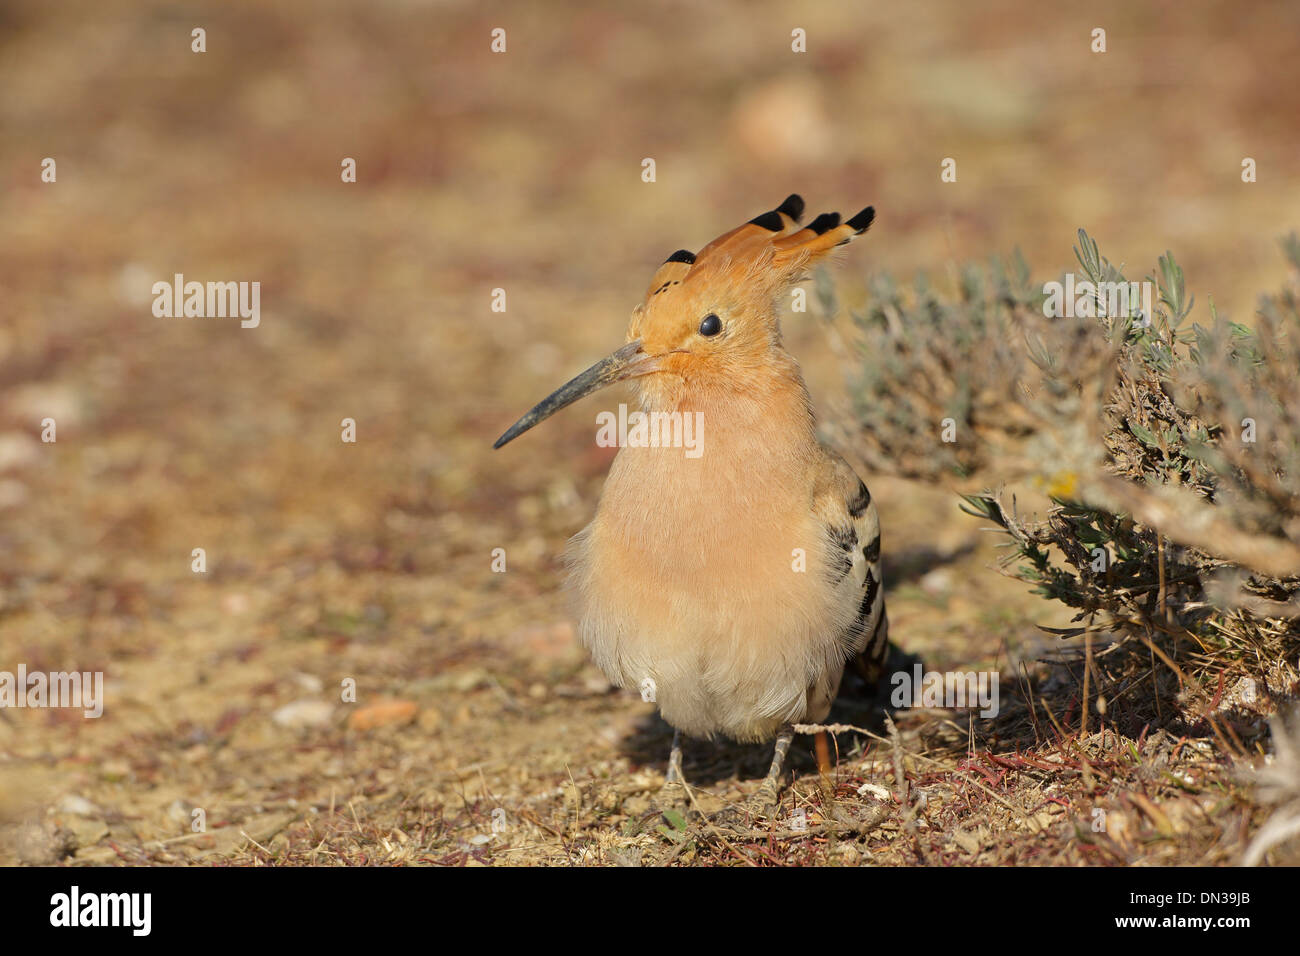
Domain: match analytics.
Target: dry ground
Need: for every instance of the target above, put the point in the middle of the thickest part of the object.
(371, 562)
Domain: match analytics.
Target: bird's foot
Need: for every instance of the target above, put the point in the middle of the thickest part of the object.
(671, 796)
(767, 798)
(743, 816)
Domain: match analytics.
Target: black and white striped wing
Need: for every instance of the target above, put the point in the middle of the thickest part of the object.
(844, 505)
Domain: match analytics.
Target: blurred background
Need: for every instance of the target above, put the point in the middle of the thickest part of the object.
(476, 171)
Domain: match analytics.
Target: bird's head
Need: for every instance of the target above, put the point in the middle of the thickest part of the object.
(709, 320)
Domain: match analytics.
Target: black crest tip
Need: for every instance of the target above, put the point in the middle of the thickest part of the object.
(825, 222)
(769, 220)
(792, 207)
(862, 221)
(681, 255)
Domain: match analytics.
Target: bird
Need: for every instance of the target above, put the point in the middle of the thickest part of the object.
(737, 582)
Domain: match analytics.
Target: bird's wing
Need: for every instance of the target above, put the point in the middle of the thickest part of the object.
(843, 504)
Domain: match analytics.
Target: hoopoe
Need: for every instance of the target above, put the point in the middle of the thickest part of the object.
(739, 582)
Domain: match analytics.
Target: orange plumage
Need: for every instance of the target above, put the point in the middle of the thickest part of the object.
(737, 582)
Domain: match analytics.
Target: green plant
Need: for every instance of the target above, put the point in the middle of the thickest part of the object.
(1170, 450)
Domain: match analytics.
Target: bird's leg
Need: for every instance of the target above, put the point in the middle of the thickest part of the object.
(675, 760)
(770, 791)
(673, 792)
(824, 765)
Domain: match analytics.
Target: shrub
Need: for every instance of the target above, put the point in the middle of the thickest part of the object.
(1170, 450)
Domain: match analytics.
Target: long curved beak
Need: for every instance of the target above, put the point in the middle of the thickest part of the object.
(627, 362)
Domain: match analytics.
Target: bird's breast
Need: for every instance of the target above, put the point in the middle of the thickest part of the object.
(708, 576)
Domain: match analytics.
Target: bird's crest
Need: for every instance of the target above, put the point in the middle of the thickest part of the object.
(771, 249)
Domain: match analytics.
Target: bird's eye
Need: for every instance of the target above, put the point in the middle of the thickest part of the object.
(711, 325)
